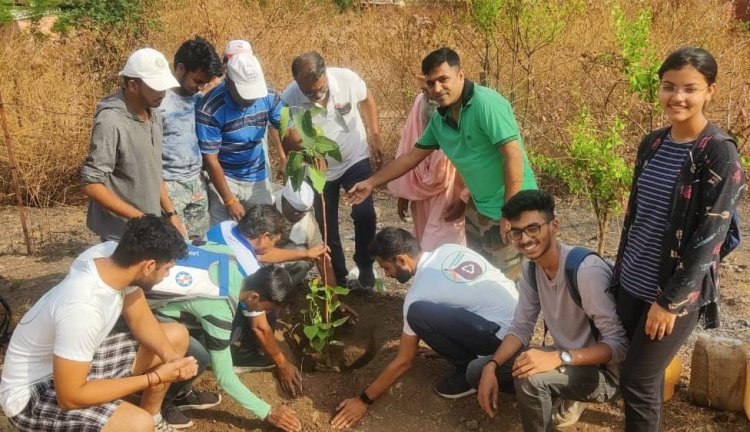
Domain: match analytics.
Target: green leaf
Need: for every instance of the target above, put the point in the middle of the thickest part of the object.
(327, 147)
(339, 322)
(303, 122)
(295, 169)
(318, 344)
(317, 177)
(284, 121)
(325, 326)
(339, 290)
(310, 331)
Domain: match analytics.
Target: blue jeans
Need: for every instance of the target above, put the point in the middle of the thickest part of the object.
(458, 335)
(363, 216)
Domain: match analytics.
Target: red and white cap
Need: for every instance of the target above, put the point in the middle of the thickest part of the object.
(151, 67)
(235, 47)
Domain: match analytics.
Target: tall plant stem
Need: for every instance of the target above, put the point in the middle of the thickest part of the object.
(326, 312)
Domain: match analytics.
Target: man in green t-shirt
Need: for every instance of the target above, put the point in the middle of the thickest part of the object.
(475, 128)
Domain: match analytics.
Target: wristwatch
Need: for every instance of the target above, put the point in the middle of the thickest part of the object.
(566, 358)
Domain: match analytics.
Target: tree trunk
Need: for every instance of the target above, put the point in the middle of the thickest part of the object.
(602, 220)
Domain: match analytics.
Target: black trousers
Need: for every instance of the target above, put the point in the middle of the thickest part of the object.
(458, 335)
(642, 375)
(363, 216)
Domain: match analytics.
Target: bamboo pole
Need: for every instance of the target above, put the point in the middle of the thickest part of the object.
(14, 177)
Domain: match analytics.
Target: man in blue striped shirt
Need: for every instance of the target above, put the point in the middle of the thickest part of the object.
(231, 122)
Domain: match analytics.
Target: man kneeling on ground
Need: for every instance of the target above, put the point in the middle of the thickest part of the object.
(65, 369)
(459, 304)
(553, 385)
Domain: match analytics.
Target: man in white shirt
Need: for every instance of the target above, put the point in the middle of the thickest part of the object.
(459, 304)
(344, 108)
(65, 369)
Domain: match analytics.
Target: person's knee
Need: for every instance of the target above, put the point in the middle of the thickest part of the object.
(178, 336)
(475, 369)
(529, 386)
(130, 417)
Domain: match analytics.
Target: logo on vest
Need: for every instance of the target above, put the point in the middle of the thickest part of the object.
(183, 279)
(462, 267)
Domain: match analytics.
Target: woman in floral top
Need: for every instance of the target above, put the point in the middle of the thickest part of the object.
(685, 189)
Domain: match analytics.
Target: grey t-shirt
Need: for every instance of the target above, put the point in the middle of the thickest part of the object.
(125, 156)
(181, 157)
(568, 324)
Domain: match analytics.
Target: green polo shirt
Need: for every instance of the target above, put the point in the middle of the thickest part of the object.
(486, 123)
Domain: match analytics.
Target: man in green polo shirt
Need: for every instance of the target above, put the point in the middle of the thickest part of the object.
(475, 128)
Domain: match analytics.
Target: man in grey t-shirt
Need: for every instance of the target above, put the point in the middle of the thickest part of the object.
(122, 173)
(554, 383)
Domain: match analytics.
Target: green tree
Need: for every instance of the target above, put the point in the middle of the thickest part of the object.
(640, 63)
(593, 168)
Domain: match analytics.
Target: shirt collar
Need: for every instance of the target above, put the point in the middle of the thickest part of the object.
(466, 94)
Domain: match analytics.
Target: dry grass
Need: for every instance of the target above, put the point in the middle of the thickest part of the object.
(52, 85)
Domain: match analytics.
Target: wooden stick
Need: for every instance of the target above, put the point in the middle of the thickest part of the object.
(14, 178)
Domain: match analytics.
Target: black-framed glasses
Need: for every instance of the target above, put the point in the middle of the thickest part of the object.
(531, 230)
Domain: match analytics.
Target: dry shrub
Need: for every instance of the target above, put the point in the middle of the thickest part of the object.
(52, 85)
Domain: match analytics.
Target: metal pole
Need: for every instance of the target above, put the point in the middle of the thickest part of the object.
(14, 177)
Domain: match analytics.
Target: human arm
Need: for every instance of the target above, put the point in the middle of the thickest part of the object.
(400, 166)
(145, 328)
(216, 174)
(487, 391)
(512, 168)
(274, 141)
(289, 375)
(369, 111)
(168, 207)
(279, 255)
(110, 201)
(351, 410)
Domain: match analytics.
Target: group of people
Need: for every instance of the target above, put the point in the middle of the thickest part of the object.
(147, 310)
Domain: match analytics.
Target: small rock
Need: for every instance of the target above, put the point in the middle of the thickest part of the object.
(472, 425)
(462, 420)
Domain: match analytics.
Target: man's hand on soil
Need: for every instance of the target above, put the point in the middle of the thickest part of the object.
(349, 412)
(487, 391)
(290, 378)
(284, 418)
(349, 311)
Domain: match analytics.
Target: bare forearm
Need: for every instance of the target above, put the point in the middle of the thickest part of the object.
(385, 380)
(110, 201)
(278, 255)
(369, 111)
(97, 392)
(507, 349)
(512, 168)
(216, 175)
(269, 345)
(597, 354)
(164, 200)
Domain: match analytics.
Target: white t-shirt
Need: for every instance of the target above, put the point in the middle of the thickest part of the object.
(455, 276)
(304, 232)
(340, 118)
(70, 321)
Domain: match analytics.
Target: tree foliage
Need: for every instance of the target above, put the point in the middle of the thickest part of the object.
(640, 63)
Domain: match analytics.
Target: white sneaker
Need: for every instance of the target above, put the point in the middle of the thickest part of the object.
(565, 413)
(163, 426)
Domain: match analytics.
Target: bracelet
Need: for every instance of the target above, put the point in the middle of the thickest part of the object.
(157, 375)
(493, 361)
(364, 398)
(231, 201)
(148, 378)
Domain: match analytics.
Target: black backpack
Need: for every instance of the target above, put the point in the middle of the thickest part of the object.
(572, 263)
(6, 317)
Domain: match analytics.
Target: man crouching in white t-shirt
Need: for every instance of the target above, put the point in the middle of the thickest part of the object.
(66, 370)
(458, 303)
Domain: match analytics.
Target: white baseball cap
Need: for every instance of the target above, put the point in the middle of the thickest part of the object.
(235, 47)
(152, 68)
(245, 72)
(301, 200)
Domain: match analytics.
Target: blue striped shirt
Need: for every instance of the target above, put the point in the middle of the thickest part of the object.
(642, 256)
(236, 133)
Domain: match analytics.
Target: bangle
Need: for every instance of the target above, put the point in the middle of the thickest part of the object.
(157, 375)
(364, 398)
(230, 201)
(497, 365)
(148, 378)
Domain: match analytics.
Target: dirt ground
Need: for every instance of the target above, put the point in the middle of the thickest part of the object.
(411, 404)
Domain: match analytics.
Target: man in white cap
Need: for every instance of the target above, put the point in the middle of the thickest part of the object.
(231, 121)
(122, 175)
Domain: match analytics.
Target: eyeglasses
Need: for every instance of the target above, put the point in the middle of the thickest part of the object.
(531, 230)
(687, 91)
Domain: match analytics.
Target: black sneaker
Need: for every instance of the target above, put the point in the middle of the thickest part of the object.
(250, 361)
(175, 418)
(197, 399)
(454, 387)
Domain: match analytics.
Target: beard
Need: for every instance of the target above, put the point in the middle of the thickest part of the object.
(402, 275)
(426, 109)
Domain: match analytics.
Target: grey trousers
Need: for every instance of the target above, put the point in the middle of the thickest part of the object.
(535, 394)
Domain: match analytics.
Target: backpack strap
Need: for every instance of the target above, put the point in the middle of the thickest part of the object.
(572, 263)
